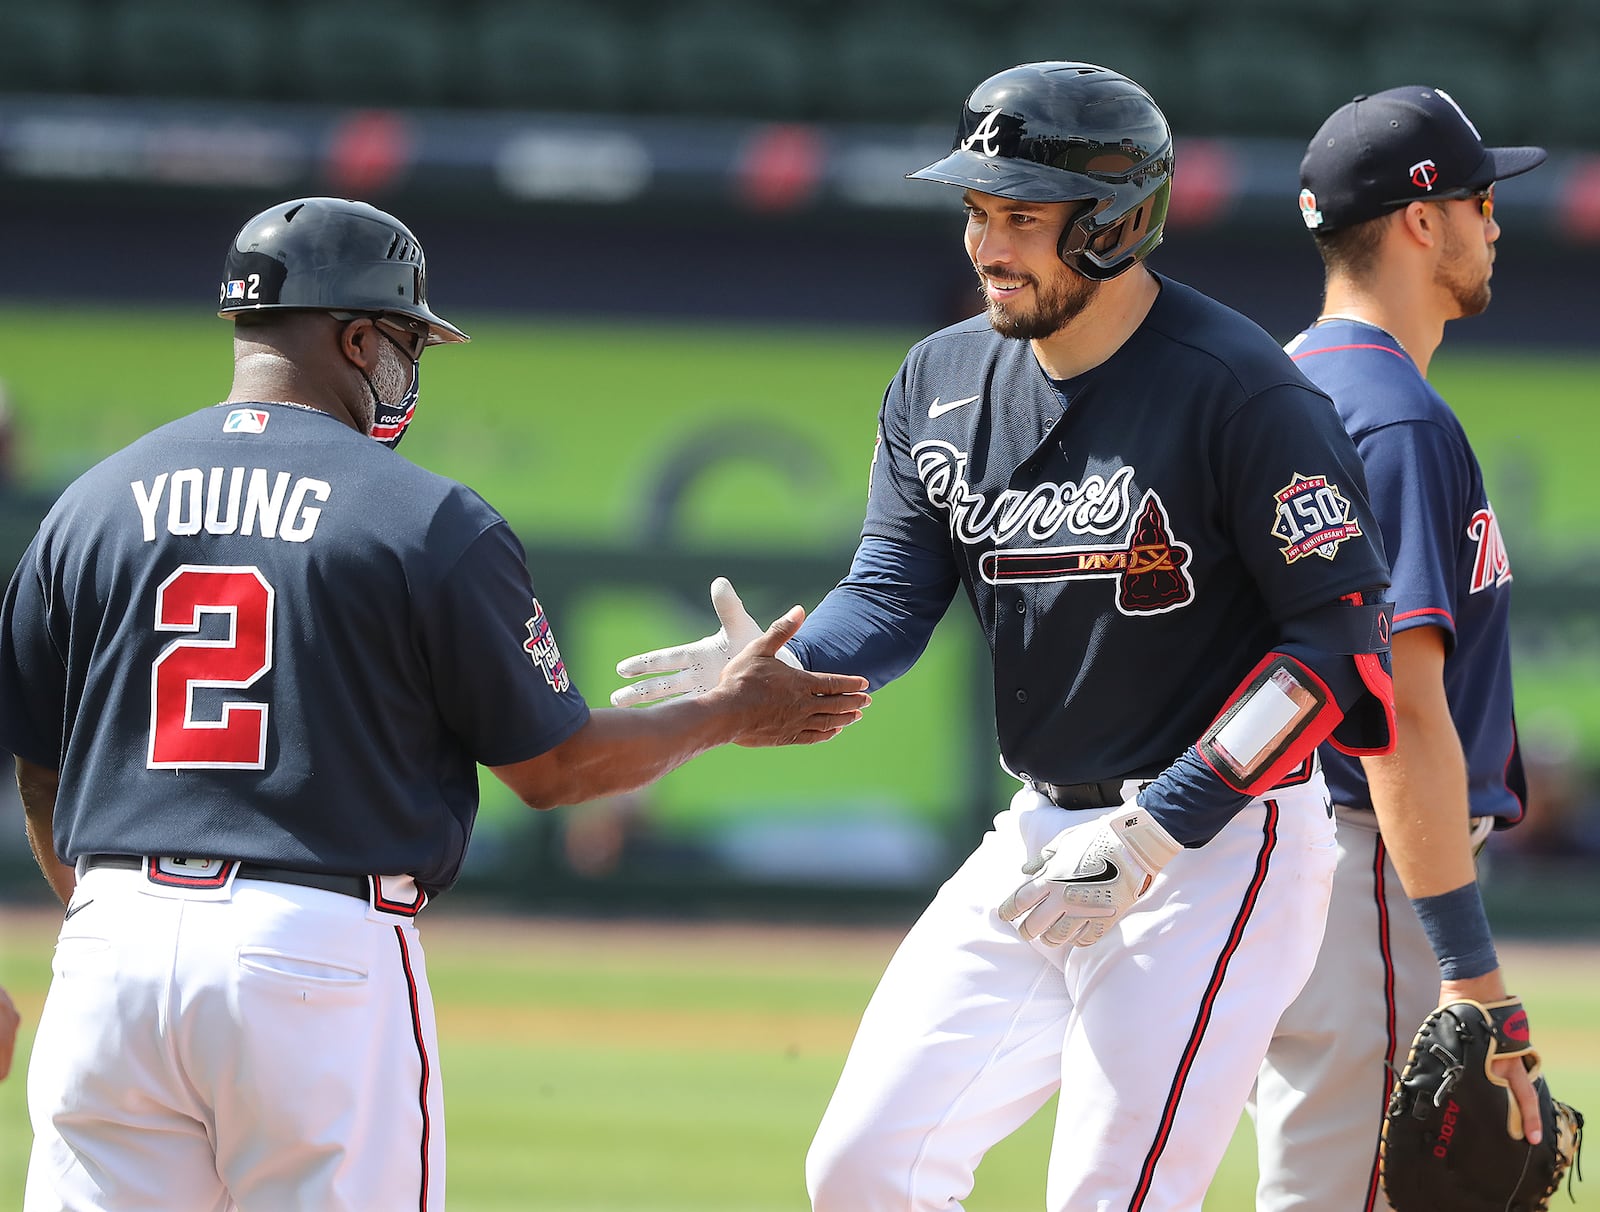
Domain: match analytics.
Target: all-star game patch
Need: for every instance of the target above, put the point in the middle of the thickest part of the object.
(1313, 518)
(541, 646)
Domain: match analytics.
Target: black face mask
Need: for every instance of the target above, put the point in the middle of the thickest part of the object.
(389, 421)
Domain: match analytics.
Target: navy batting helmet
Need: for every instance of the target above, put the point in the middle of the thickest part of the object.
(330, 254)
(1068, 132)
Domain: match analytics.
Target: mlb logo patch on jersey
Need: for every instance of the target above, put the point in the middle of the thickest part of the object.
(246, 420)
(1313, 517)
(541, 647)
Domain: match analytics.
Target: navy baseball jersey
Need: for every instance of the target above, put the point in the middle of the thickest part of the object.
(1129, 540)
(257, 634)
(1449, 564)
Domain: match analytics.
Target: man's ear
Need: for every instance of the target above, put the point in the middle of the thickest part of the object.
(1421, 222)
(358, 341)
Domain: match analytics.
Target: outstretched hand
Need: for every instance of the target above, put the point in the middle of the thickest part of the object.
(778, 704)
(694, 668)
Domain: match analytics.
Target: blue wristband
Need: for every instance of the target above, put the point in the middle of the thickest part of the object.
(1458, 931)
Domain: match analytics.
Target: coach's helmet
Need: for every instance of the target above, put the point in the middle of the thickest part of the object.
(330, 254)
(1069, 132)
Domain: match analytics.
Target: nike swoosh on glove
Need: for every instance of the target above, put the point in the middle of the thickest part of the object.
(1087, 876)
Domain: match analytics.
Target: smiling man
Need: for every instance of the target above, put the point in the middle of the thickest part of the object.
(1163, 531)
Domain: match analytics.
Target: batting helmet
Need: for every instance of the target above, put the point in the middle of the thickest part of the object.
(1068, 132)
(330, 254)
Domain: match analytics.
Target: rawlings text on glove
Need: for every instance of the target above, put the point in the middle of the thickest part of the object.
(1087, 876)
(1453, 1138)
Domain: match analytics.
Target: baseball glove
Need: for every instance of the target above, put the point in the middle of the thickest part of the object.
(1452, 1135)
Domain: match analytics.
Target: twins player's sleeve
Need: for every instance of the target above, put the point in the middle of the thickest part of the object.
(33, 675)
(878, 620)
(498, 675)
(1420, 479)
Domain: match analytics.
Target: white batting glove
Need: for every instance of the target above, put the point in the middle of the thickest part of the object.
(1087, 875)
(695, 668)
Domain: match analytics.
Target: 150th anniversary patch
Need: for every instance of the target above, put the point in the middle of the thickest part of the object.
(1312, 518)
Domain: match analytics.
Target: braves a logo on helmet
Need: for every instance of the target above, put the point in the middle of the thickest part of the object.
(1424, 173)
(987, 138)
(1312, 517)
(1491, 564)
(541, 646)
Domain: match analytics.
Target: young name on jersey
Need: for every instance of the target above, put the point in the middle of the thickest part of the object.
(232, 500)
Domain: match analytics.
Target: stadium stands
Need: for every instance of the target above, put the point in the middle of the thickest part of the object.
(1527, 69)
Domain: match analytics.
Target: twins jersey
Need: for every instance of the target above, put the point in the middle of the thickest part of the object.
(1130, 540)
(257, 634)
(1449, 562)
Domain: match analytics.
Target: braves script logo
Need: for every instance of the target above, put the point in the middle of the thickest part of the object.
(1312, 517)
(1424, 173)
(1148, 564)
(541, 646)
(985, 140)
(1491, 565)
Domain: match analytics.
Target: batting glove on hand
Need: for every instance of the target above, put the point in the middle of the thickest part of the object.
(695, 668)
(1087, 876)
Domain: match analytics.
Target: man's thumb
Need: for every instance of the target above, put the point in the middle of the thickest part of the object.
(781, 631)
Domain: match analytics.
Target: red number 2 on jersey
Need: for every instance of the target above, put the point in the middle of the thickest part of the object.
(239, 739)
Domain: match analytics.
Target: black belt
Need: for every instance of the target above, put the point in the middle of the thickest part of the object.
(1104, 794)
(350, 885)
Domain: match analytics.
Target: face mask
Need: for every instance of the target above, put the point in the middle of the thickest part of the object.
(389, 420)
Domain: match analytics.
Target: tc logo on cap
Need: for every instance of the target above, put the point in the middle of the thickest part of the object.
(1308, 209)
(1424, 173)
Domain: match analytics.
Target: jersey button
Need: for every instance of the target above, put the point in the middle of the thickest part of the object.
(1022, 607)
(1022, 696)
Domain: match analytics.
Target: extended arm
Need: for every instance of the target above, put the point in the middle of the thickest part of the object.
(875, 623)
(1419, 794)
(759, 701)
(37, 786)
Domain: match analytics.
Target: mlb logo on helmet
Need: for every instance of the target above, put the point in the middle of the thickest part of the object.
(233, 289)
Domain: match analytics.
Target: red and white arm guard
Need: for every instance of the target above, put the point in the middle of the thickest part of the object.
(1328, 682)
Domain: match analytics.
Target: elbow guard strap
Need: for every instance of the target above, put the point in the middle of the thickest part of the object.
(1281, 712)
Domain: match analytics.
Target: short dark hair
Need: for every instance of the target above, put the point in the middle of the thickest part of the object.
(1353, 250)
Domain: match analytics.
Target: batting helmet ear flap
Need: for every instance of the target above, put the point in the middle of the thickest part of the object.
(1112, 234)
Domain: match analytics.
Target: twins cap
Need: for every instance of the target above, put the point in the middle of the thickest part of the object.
(1380, 152)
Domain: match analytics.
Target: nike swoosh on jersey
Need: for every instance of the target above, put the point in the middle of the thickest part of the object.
(74, 908)
(937, 409)
(1108, 872)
